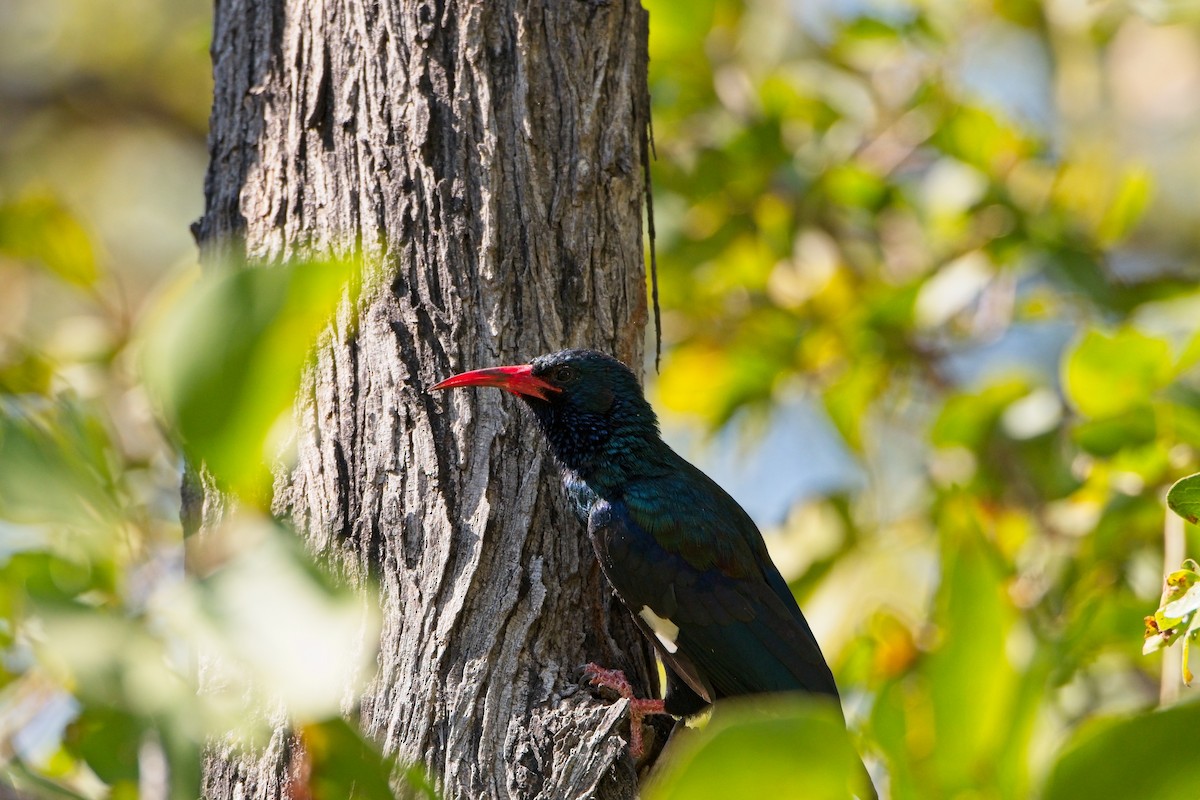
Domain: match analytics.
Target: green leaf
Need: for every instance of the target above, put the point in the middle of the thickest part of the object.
(38, 228)
(108, 740)
(969, 419)
(895, 736)
(1148, 755)
(29, 783)
(854, 186)
(1176, 616)
(274, 607)
(1110, 374)
(974, 616)
(25, 371)
(1108, 436)
(778, 746)
(226, 362)
(1184, 498)
(848, 399)
(1126, 208)
(346, 765)
(55, 463)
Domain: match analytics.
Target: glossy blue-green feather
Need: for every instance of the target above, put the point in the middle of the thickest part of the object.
(670, 540)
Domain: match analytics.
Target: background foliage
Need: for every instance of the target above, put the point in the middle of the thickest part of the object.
(943, 250)
(962, 234)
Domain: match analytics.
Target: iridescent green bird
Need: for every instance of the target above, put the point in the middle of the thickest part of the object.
(682, 555)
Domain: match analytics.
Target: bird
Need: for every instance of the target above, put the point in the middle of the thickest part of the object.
(680, 553)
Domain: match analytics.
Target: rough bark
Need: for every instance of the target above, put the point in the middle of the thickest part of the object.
(484, 156)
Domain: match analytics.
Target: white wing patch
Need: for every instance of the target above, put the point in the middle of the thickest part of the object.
(664, 629)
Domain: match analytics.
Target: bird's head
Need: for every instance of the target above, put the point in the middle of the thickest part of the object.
(589, 405)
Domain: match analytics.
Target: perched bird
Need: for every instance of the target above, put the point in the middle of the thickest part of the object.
(682, 555)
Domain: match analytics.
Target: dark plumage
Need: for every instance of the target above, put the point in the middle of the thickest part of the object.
(682, 555)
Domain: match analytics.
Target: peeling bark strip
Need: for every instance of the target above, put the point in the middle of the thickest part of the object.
(484, 155)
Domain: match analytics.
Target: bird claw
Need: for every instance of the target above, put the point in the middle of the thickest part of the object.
(639, 708)
(612, 679)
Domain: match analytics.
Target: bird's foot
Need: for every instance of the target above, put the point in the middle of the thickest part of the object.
(639, 707)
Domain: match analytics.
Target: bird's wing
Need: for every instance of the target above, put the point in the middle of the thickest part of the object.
(724, 629)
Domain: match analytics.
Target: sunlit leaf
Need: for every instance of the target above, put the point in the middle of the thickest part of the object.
(343, 764)
(975, 617)
(692, 368)
(1176, 618)
(777, 746)
(1109, 435)
(848, 399)
(851, 185)
(55, 463)
(284, 629)
(1109, 374)
(27, 372)
(1128, 203)
(226, 361)
(1182, 604)
(906, 742)
(40, 229)
(22, 778)
(968, 419)
(1139, 756)
(108, 740)
(982, 139)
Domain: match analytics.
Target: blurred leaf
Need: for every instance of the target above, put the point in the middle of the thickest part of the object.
(26, 371)
(1028, 13)
(776, 746)
(1184, 498)
(1180, 414)
(28, 782)
(1141, 756)
(849, 397)
(48, 580)
(899, 724)
(56, 463)
(287, 631)
(343, 765)
(851, 185)
(181, 746)
(1126, 207)
(1014, 757)
(1125, 521)
(974, 617)
(728, 382)
(1109, 374)
(983, 140)
(226, 361)
(39, 229)
(969, 419)
(1108, 436)
(107, 739)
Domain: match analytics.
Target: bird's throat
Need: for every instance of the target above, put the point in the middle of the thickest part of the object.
(600, 451)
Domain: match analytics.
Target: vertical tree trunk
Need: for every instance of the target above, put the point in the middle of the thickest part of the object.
(485, 156)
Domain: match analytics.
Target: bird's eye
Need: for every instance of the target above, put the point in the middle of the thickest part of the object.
(564, 374)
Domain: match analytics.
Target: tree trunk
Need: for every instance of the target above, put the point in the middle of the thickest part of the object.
(485, 157)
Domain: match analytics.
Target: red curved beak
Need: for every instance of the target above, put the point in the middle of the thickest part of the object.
(518, 380)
